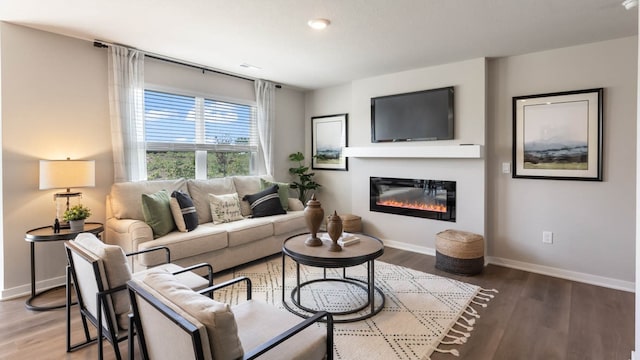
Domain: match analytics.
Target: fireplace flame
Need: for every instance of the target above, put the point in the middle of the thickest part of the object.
(413, 205)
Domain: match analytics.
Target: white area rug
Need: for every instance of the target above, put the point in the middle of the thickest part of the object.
(423, 313)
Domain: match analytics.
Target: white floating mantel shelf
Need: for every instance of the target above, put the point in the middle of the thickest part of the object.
(433, 152)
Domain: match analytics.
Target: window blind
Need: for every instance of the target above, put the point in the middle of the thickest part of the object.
(185, 123)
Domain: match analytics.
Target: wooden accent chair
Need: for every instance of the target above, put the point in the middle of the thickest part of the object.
(202, 328)
(99, 273)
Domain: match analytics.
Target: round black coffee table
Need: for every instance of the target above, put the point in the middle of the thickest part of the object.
(364, 252)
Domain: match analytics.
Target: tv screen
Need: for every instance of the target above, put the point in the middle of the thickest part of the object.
(421, 115)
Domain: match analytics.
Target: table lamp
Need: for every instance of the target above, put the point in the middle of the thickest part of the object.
(66, 174)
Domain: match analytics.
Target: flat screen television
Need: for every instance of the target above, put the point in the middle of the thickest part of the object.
(415, 116)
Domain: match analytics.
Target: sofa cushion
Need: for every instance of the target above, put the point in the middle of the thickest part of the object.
(201, 240)
(156, 210)
(292, 221)
(246, 185)
(200, 190)
(247, 230)
(117, 272)
(265, 202)
(183, 210)
(217, 317)
(225, 208)
(126, 202)
(283, 191)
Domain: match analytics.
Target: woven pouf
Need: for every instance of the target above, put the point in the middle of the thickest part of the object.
(351, 223)
(459, 252)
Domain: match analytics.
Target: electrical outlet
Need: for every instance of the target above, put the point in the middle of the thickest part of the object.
(547, 237)
(506, 167)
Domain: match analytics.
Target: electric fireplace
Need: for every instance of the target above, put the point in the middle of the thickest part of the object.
(431, 199)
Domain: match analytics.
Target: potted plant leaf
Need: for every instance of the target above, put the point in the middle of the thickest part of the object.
(76, 215)
(305, 180)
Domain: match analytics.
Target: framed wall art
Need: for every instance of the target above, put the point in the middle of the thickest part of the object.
(328, 140)
(558, 135)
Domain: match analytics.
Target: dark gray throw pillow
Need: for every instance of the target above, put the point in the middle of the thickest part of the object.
(183, 210)
(265, 202)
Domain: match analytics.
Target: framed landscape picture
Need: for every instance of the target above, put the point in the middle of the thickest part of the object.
(328, 140)
(558, 135)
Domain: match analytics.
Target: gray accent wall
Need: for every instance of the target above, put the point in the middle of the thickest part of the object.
(593, 223)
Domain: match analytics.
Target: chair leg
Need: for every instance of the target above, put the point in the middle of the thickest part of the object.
(88, 340)
(113, 337)
(130, 345)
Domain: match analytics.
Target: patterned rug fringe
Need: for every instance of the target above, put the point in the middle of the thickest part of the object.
(449, 351)
(480, 299)
(469, 321)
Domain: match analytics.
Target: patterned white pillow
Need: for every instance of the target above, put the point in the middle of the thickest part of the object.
(225, 208)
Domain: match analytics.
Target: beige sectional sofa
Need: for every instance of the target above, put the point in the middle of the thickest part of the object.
(223, 245)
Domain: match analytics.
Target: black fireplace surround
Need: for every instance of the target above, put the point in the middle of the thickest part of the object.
(430, 199)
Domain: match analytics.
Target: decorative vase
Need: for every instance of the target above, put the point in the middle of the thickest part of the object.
(334, 228)
(76, 225)
(313, 215)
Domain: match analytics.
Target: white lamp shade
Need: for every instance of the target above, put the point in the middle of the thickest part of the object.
(60, 174)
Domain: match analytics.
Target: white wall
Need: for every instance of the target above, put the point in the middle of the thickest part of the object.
(289, 133)
(637, 252)
(593, 222)
(54, 105)
(468, 78)
(330, 101)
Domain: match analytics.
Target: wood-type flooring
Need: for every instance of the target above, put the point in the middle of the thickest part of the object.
(534, 317)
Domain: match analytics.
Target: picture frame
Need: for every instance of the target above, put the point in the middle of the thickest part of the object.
(558, 135)
(329, 136)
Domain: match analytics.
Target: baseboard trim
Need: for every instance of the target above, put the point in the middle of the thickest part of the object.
(409, 247)
(565, 274)
(534, 268)
(25, 290)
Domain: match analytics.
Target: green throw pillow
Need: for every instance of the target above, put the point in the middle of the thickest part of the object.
(156, 209)
(283, 191)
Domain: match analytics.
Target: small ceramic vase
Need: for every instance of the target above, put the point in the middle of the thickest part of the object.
(334, 228)
(313, 215)
(76, 225)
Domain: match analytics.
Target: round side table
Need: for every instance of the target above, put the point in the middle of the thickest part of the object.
(46, 234)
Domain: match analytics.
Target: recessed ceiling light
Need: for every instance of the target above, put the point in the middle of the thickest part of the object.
(318, 24)
(249, 66)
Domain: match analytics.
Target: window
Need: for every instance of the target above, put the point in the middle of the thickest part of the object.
(196, 137)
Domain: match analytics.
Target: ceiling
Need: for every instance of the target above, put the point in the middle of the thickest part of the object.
(365, 38)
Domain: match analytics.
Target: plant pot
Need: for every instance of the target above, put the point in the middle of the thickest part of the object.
(76, 225)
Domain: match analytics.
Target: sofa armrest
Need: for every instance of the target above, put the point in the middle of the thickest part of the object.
(127, 233)
(295, 204)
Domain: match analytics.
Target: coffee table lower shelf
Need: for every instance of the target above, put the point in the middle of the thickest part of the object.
(370, 303)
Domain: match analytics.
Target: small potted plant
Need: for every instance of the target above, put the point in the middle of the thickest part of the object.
(76, 216)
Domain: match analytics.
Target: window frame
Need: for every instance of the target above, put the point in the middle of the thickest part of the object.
(200, 147)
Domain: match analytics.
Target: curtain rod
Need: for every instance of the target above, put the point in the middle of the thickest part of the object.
(102, 44)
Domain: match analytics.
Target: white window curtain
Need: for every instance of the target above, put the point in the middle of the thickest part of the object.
(126, 103)
(265, 99)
